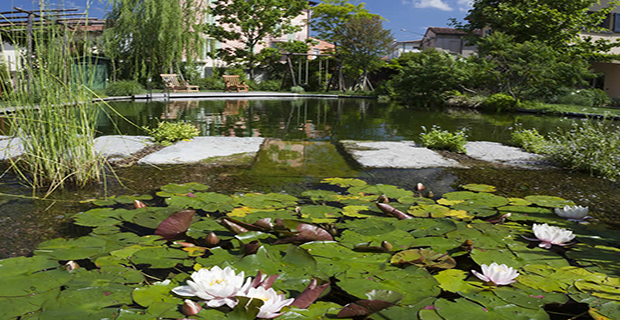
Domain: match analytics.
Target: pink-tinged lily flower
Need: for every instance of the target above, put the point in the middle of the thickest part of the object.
(216, 286)
(549, 235)
(272, 301)
(499, 275)
(573, 213)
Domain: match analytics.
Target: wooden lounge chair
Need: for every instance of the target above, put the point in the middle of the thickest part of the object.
(171, 81)
(233, 83)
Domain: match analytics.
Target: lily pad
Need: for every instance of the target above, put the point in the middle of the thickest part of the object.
(389, 191)
(479, 187)
(266, 201)
(549, 201)
(72, 249)
(344, 183)
(423, 258)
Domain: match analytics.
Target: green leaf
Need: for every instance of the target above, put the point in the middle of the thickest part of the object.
(320, 195)
(355, 211)
(159, 258)
(344, 183)
(428, 227)
(98, 217)
(549, 201)
(479, 187)
(157, 292)
(321, 214)
(391, 192)
(453, 280)
(266, 201)
(317, 311)
(18, 306)
(72, 249)
(423, 258)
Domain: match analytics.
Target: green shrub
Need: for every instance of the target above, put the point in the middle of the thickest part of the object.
(500, 102)
(168, 133)
(124, 88)
(583, 97)
(297, 89)
(210, 83)
(269, 85)
(444, 140)
(592, 147)
(529, 139)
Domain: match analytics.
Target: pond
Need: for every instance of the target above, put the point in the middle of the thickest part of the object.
(317, 119)
(309, 130)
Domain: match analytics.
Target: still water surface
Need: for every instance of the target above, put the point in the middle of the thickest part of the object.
(303, 151)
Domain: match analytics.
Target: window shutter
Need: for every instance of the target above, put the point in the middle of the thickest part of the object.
(616, 22)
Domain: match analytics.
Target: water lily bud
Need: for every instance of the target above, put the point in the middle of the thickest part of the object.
(212, 240)
(190, 308)
(419, 187)
(468, 245)
(383, 199)
(250, 248)
(139, 204)
(430, 194)
(264, 223)
(298, 211)
(387, 247)
(71, 265)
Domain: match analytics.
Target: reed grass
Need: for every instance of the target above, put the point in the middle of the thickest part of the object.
(54, 117)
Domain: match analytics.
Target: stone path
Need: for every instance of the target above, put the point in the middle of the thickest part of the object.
(369, 154)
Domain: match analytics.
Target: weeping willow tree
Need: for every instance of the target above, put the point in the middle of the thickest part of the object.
(147, 37)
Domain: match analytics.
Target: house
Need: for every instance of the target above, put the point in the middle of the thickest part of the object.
(208, 62)
(449, 40)
(610, 81)
(401, 47)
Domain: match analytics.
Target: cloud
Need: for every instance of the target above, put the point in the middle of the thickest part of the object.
(434, 4)
(464, 5)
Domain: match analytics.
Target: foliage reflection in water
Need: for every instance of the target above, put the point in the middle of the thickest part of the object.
(320, 119)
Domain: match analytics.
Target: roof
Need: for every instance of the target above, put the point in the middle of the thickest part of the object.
(410, 41)
(438, 30)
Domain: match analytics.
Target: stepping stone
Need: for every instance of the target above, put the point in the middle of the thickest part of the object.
(202, 148)
(498, 153)
(10, 148)
(395, 154)
(121, 146)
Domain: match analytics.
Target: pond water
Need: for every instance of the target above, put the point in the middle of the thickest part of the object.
(305, 152)
(317, 119)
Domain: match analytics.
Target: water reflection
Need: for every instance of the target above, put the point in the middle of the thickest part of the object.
(318, 119)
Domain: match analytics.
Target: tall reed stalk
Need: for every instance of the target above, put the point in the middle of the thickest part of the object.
(55, 118)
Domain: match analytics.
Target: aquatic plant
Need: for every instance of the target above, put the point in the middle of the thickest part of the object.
(54, 117)
(499, 275)
(168, 133)
(216, 286)
(573, 213)
(444, 140)
(272, 302)
(550, 235)
(344, 254)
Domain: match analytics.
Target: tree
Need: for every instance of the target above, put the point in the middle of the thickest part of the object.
(532, 69)
(147, 37)
(250, 22)
(364, 42)
(557, 23)
(330, 17)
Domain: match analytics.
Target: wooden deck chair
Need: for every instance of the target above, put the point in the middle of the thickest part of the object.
(233, 83)
(171, 81)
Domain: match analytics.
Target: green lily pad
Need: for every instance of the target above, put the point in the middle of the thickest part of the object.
(494, 305)
(157, 292)
(11, 308)
(317, 311)
(477, 199)
(464, 309)
(400, 281)
(549, 201)
(352, 239)
(72, 249)
(518, 202)
(432, 227)
(320, 195)
(429, 211)
(356, 211)
(87, 303)
(99, 217)
(479, 187)
(423, 258)
(344, 183)
(529, 214)
(453, 280)
(176, 189)
(369, 227)
(159, 258)
(321, 214)
(151, 217)
(266, 201)
(391, 192)
(35, 283)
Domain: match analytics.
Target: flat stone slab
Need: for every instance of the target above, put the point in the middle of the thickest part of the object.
(119, 146)
(498, 153)
(395, 154)
(202, 148)
(10, 147)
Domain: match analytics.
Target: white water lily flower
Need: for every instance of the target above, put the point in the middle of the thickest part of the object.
(216, 286)
(549, 235)
(499, 275)
(573, 213)
(272, 301)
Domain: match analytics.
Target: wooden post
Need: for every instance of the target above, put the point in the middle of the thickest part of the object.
(290, 66)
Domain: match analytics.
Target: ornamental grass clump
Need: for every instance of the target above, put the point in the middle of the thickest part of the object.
(54, 118)
(444, 140)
